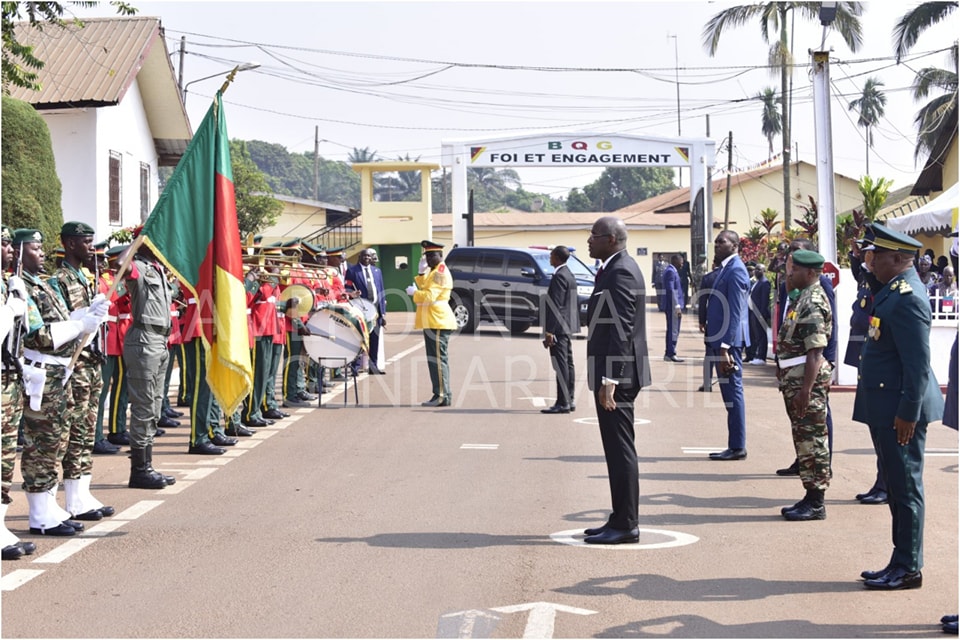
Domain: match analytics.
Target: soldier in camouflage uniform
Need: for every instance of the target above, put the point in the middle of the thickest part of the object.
(83, 389)
(804, 376)
(54, 333)
(13, 308)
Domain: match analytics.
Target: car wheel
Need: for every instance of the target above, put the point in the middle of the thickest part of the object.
(517, 327)
(464, 314)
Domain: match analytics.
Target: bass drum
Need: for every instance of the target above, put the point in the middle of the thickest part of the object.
(367, 309)
(337, 331)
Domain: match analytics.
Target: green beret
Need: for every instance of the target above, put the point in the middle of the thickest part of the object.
(116, 250)
(7, 234)
(21, 236)
(805, 258)
(886, 238)
(76, 229)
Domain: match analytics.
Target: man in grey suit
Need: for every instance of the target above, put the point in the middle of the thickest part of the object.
(617, 368)
(561, 322)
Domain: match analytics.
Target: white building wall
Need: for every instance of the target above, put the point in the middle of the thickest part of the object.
(73, 136)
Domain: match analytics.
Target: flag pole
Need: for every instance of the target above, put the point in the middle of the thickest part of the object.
(124, 265)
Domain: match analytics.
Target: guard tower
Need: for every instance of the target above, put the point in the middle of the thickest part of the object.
(396, 207)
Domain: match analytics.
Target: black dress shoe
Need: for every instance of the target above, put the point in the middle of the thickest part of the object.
(160, 432)
(949, 618)
(374, 371)
(223, 441)
(951, 627)
(431, 402)
(573, 407)
(12, 552)
(93, 514)
(106, 512)
(880, 497)
(806, 511)
(306, 397)
(594, 531)
(104, 447)
(896, 579)
(275, 414)
(28, 547)
(614, 536)
(73, 523)
(556, 409)
(861, 496)
(873, 575)
(729, 454)
(792, 470)
(672, 359)
(119, 439)
(206, 449)
(436, 402)
(240, 431)
(256, 422)
(167, 422)
(59, 530)
(173, 413)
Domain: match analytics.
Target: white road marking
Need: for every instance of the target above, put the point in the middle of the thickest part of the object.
(489, 447)
(65, 550)
(538, 401)
(233, 452)
(18, 577)
(134, 511)
(247, 443)
(103, 528)
(205, 461)
(199, 474)
(464, 624)
(701, 450)
(941, 453)
(574, 538)
(263, 434)
(540, 621)
(180, 487)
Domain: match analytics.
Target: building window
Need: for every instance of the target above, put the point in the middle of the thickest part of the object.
(144, 191)
(116, 215)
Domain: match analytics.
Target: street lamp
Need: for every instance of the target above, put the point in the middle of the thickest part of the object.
(246, 66)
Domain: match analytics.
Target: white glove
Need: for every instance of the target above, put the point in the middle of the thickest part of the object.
(92, 322)
(16, 288)
(17, 306)
(422, 267)
(411, 290)
(99, 306)
(63, 332)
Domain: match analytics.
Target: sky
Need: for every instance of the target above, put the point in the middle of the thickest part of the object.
(398, 78)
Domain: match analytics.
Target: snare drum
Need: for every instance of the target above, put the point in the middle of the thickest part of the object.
(367, 309)
(337, 331)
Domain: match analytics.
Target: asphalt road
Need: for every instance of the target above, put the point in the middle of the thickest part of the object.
(387, 519)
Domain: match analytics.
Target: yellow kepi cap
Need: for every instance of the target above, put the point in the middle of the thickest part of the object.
(886, 238)
(430, 245)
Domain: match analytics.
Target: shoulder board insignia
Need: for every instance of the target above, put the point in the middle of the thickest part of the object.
(441, 267)
(895, 285)
(905, 288)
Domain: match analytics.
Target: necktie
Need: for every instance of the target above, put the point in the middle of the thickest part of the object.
(371, 286)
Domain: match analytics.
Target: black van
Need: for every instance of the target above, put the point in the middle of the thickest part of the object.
(507, 285)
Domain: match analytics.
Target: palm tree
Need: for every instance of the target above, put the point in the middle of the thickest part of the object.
(495, 182)
(773, 21)
(870, 108)
(362, 155)
(938, 118)
(771, 125)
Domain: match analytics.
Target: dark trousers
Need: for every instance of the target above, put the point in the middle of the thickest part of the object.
(731, 389)
(903, 469)
(673, 332)
(270, 384)
(561, 357)
(435, 341)
(620, 451)
(261, 356)
(113, 397)
(758, 339)
(294, 367)
(202, 403)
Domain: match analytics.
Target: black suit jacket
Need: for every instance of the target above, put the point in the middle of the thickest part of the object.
(562, 312)
(760, 298)
(617, 340)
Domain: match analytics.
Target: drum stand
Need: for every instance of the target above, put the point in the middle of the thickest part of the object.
(347, 375)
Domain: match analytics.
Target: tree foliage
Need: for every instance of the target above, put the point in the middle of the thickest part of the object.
(770, 123)
(618, 187)
(254, 212)
(18, 64)
(31, 188)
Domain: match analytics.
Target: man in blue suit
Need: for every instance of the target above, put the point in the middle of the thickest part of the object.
(367, 280)
(727, 333)
(672, 303)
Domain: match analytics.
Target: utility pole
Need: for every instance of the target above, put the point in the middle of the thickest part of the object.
(316, 162)
(726, 211)
(183, 50)
(676, 70)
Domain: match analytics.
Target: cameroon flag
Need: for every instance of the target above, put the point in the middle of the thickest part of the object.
(193, 230)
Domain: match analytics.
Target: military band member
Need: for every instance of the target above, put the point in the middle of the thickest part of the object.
(54, 333)
(270, 409)
(263, 290)
(294, 362)
(431, 294)
(804, 376)
(897, 395)
(83, 388)
(13, 308)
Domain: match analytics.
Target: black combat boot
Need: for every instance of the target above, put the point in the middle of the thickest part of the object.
(810, 508)
(142, 476)
(166, 479)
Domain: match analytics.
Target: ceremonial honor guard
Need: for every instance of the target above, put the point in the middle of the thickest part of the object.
(897, 395)
(431, 294)
(113, 397)
(54, 335)
(77, 288)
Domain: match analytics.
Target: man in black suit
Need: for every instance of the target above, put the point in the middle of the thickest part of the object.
(617, 368)
(561, 322)
(366, 279)
(759, 316)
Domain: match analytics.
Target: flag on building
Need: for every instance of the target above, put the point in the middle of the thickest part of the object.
(193, 230)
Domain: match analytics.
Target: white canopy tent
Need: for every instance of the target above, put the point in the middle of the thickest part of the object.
(937, 217)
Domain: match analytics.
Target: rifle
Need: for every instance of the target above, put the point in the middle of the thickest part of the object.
(11, 346)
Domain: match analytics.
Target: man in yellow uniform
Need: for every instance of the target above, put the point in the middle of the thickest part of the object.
(431, 293)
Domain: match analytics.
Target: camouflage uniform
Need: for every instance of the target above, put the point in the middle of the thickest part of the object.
(83, 396)
(807, 326)
(12, 404)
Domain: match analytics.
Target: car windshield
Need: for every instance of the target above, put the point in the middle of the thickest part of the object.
(577, 268)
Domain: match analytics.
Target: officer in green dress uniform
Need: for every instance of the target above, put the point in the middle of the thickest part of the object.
(897, 395)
